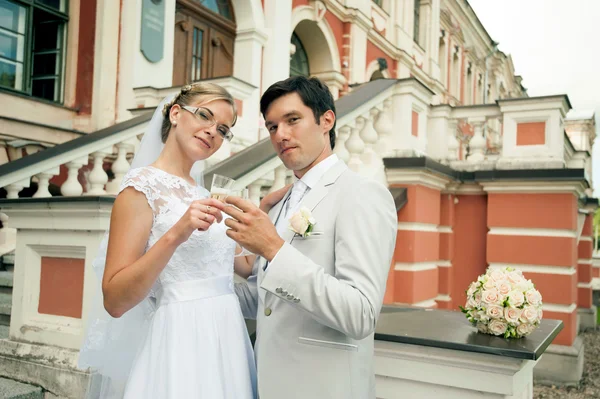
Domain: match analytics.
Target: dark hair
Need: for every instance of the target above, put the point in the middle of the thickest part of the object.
(313, 92)
(206, 91)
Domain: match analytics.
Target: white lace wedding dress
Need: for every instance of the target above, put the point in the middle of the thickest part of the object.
(197, 345)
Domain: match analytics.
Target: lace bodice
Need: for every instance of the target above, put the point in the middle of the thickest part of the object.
(206, 253)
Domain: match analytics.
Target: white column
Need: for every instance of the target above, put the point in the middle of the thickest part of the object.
(369, 137)
(340, 143)
(383, 126)
(254, 191)
(358, 53)
(44, 181)
(477, 144)
(127, 50)
(119, 168)
(355, 147)
(71, 187)
(433, 47)
(105, 63)
(276, 60)
(279, 180)
(98, 177)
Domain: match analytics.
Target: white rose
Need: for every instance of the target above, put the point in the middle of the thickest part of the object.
(533, 297)
(512, 315)
(307, 214)
(515, 277)
(504, 287)
(497, 275)
(298, 223)
(524, 329)
(529, 314)
(516, 298)
(482, 328)
(472, 289)
(471, 304)
(477, 298)
(490, 296)
(497, 327)
(494, 311)
(489, 284)
(540, 314)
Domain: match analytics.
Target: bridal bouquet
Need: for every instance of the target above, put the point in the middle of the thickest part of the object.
(503, 302)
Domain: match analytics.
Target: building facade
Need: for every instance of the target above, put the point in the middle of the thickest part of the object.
(483, 174)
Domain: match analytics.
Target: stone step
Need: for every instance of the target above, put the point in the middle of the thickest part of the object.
(10, 389)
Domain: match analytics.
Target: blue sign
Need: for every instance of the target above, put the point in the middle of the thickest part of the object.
(152, 41)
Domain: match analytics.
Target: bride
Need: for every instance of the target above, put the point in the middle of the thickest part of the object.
(174, 328)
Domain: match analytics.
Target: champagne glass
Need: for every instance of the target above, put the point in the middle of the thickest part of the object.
(242, 193)
(221, 187)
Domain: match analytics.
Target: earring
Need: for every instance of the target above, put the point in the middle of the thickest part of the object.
(174, 123)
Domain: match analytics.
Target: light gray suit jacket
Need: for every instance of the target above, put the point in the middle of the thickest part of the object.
(317, 303)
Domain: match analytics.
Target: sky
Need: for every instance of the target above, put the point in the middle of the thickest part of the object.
(555, 47)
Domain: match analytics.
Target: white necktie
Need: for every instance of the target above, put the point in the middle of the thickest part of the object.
(298, 190)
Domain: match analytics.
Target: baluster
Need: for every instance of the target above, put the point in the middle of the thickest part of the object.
(254, 191)
(383, 126)
(44, 181)
(477, 143)
(340, 144)
(13, 190)
(369, 137)
(289, 177)
(98, 177)
(279, 180)
(119, 168)
(453, 144)
(356, 146)
(71, 187)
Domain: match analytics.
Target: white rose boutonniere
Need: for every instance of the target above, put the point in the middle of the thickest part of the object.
(302, 222)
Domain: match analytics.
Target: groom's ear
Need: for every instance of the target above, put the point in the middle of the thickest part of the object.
(327, 120)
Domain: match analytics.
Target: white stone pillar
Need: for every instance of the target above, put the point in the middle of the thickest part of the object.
(119, 168)
(127, 49)
(71, 187)
(13, 190)
(276, 60)
(383, 126)
(356, 147)
(254, 191)
(478, 143)
(279, 180)
(340, 143)
(358, 53)
(453, 144)
(98, 177)
(105, 63)
(44, 181)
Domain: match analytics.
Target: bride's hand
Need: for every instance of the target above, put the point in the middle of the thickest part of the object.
(200, 216)
(272, 198)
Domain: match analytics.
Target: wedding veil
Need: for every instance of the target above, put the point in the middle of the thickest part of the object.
(110, 344)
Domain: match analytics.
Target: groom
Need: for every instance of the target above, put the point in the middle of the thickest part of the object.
(316, 298)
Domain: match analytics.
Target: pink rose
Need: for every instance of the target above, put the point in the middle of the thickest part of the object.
(489, 284)
(524, 329)
(512, 315)
(529, 314)
(497, 327)
(515, 277)
(516, 298)
(497, 275)
(490, 296)
(504, 287)
(533, 297)
(494, 311)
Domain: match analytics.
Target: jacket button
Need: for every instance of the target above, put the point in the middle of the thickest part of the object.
(267, 311)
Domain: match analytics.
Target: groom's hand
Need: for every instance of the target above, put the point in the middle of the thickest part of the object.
(252, 228)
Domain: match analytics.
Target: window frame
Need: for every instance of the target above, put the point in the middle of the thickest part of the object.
(27, 83)
(417, 21)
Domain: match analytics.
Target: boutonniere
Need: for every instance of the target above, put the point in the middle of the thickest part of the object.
(302, 222)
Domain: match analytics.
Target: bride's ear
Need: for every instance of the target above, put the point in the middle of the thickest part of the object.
(174, 114)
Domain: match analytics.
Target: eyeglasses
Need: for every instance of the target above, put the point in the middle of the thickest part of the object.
(205, 116)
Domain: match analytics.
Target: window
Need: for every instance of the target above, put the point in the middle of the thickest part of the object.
(32, 41)
(378, 2)
(417, 16)
(299, 61)
(221, 7)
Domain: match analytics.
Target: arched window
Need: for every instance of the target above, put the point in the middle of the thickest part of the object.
(299, 61)
(204, 40)
(221, 7)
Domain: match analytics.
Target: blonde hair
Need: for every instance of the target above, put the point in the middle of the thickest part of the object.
(207, 92)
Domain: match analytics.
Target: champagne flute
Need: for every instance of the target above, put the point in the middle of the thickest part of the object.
(243, 194)
(221, 187)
